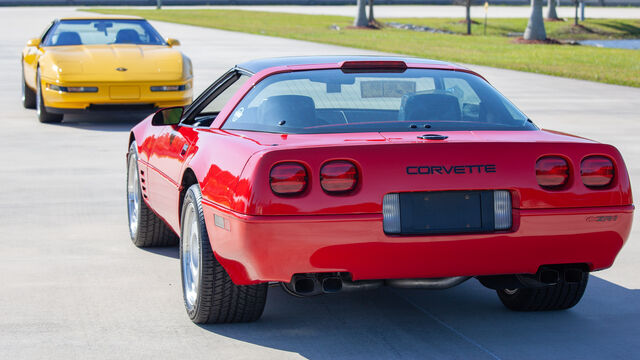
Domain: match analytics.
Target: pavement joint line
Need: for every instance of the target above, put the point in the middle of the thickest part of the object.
(451, 328)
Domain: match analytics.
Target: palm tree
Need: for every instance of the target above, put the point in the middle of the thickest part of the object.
(535, 27)
(372, 20)
(551, 11)
(467, 4)
(361, 18)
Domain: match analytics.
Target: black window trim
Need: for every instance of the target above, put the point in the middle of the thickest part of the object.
(48, 30)
(210, 93)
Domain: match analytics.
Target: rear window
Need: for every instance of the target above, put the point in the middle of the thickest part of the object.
(102, 32)
(331, 101)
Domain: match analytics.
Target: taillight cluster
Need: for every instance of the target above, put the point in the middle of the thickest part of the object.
(292, 178)
(553, 172)
(596, 171)
(288, 178)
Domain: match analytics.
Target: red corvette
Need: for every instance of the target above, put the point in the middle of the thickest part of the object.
(329, 174)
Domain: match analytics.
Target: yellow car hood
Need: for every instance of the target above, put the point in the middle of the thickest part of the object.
(108, 63)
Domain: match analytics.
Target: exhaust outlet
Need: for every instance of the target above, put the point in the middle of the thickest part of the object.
(304, 286)
(573, 276)
(331, 284)
(549, 276)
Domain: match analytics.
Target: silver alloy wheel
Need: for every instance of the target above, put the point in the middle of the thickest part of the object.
(190, 256)
(38, 94)
(24, 91)
(133, 195)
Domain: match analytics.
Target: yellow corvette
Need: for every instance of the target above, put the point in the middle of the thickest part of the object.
(106, 63)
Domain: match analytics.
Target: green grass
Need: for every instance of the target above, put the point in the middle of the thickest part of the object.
(614, 66)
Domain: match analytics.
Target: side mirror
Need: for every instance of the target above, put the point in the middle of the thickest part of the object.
(167, 116)
(173, 42)
(33, 42)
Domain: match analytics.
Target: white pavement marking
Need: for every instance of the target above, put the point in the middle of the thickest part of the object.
(73, 285)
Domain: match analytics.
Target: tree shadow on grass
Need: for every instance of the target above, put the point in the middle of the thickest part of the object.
(465, 322)
(627, 29)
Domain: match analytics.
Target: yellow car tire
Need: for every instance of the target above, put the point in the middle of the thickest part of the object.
(28, 95)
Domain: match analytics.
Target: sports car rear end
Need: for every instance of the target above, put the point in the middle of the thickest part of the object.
(400, 174)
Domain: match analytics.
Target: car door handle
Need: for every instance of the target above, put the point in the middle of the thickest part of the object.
(184, 149)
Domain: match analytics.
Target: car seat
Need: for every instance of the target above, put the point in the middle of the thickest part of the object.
(68, 38)
(295, 110)
(127, 36)
(430, 106)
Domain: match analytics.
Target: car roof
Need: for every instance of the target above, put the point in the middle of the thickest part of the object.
(103, 17)
(255, 66)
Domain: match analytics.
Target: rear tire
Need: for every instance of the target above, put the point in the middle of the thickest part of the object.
(553, 297)
(41, 111)
(145, 227)
(28, 95)
(210, 296)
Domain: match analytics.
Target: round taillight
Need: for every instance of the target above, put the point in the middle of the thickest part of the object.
(338, 176)
(552, 172)
(596, 171)
(288, 178)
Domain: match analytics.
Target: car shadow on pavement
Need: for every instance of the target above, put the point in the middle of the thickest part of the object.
(169, 251)
(467, 322)
(103, 122)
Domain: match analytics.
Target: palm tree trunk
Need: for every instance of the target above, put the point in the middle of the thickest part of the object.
(551, 11)
(535, 27)
(372, 20)
(361, 18)
(468, 17)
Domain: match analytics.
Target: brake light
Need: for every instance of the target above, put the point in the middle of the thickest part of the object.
(288, 178)
(552, 172)
(373, 66)
(338, 176)
(596, 171)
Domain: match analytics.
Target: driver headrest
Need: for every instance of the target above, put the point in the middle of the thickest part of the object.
(294, 110)
(430, 106)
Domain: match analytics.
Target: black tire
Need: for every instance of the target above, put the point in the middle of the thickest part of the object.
(149, 229)
(217, 299)
(28, 95)
(41, 111)
(561, 296)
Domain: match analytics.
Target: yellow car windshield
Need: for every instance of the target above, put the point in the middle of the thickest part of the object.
(102, 32)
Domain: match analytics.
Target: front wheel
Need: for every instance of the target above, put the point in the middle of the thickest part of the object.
(145, 227)
(210, 296)
(560, 296)
(41, 111)
(28, 95)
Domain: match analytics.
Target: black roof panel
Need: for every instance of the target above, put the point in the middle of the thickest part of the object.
(255, 66)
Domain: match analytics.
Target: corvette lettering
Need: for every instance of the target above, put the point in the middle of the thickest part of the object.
(453, 169)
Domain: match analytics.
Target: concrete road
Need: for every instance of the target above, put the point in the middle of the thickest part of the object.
(74, 287)
(436, 11)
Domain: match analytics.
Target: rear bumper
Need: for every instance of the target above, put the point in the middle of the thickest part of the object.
(257, 249)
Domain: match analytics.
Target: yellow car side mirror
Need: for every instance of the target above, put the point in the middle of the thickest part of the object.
(173, 42)
(33, 42)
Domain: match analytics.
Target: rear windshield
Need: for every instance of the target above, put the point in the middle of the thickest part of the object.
(331, 101)
(102, 32)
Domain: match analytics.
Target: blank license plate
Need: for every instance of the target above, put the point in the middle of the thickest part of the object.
(446, 212)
